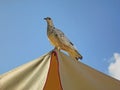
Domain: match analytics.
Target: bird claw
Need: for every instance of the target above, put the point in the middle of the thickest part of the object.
(57, 48)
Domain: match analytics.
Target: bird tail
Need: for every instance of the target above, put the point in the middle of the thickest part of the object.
(75, 54)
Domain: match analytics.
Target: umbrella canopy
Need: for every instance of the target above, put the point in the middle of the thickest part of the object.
(56, 71)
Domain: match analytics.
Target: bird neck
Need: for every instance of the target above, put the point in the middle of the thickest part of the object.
(50, 25)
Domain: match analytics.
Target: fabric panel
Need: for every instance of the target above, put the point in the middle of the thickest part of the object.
(78, 76)
(53, 81)
(31, 76)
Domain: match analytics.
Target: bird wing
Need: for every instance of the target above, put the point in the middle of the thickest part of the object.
(63, 39)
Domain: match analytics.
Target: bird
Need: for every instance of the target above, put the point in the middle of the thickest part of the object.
(58, 39)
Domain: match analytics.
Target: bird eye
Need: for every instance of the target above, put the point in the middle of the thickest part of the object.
(49, 18)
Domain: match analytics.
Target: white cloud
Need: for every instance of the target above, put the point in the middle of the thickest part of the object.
(114, 67)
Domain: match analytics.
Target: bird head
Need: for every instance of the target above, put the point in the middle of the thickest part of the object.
(47, 18)
(49, 21)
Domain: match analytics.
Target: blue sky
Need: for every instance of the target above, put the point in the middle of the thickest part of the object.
(92, 25)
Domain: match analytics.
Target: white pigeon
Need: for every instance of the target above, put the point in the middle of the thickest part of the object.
(60, 41)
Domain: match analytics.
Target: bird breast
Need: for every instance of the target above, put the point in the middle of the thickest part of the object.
(53, 38)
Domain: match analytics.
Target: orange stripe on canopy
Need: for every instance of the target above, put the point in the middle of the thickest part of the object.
(53, 78)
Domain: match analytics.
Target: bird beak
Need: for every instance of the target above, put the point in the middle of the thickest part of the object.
(45, 18)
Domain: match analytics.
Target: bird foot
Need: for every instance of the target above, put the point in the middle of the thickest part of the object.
(57, 48)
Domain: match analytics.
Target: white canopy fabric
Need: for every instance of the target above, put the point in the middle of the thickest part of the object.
(31, 76)
(56, 71)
